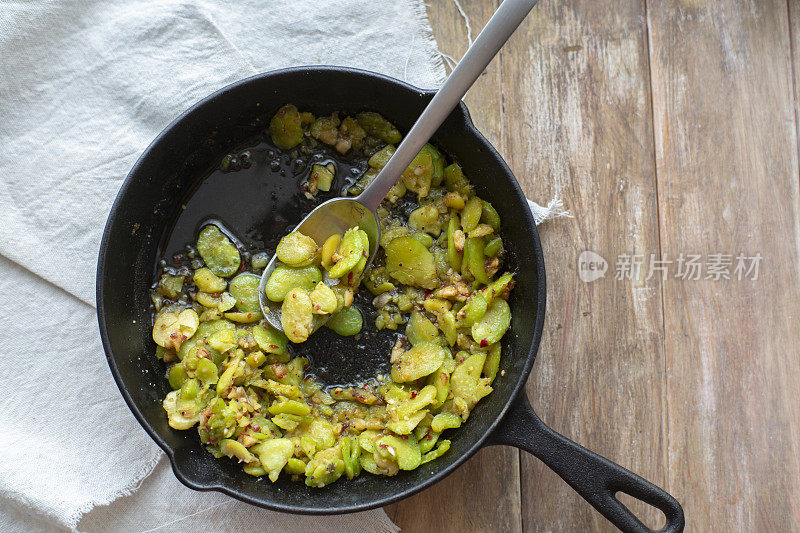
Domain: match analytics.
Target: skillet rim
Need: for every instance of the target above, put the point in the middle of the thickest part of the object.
(516, 390)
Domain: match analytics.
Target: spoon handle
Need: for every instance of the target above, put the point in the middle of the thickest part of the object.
(493, 36)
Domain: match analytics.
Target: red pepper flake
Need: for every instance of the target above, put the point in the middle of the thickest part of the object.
(413, 395)
(273, 346)
(484, 343)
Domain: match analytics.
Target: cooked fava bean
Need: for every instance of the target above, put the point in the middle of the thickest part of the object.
(471, 215)
(492, 363)
(283, 279)
(493, 325)
(381, 157)
(420, 329)
(474, 258)
(296, 249)
(404, 451)
(323, 299)
(273, 455)
(419, 174)
(439, 272)
(270, 340)
(454, 249)
(218, 252)
(321, 178)
(328, 249)
(493, 247)
(286, 127)
(171, 329)
(421, 360)
(490, 216)
(425, 218)
(297, 315)
(379, 127)
(352, 249)
(444, 421)
(244, 288)
(466, 382)
(346, 322)
(409, 262)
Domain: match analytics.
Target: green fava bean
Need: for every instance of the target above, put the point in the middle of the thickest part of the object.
(444, 421)
(244, 288)
(409, 262)
(283, 279)
(405, 451)
(419, 174)
(493, 247)
(489, 215)
(323, 299)
(438, 452)
(473, 311)
(426, 219)
(377, 126)
(471, 214)
(438, 166)
(406, 425)
(447, 323)
(474, 258)
(209, 282)
(423, 359)
(274, 454)
(452, 175)
(254, 469)
(290, 407)
(381, 157)
(297, 315)
(207, 372)
(420, 329)
(351, 452)
(286, 127)
(353, 248)
(494, 323)
(295, 466)
(296, 249)
(218, 252)
(492, 363)
(348, 321)
(177, 375)
(232, 449)
(454, 257)
(466, 382)
(270, 340)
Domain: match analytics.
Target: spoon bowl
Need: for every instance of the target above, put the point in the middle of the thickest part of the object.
(334, 216)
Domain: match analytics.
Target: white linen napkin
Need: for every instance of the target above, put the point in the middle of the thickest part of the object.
(84, 87)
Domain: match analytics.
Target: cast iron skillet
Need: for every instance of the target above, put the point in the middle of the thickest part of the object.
(169, 174)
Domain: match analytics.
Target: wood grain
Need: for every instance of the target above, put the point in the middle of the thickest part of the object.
(451, 504)
(667, 127)
(578, 124)
(727, 169)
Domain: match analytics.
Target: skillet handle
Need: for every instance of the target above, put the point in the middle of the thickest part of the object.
(594, 477)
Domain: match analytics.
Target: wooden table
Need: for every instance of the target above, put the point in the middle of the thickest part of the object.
(668, 128)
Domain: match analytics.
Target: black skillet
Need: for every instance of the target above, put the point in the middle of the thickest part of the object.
(174, 188)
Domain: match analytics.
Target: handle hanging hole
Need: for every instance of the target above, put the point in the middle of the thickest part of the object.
(650, 516)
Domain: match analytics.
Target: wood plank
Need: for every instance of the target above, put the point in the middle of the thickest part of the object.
(727, 170)
(493, 471)
(578, 122)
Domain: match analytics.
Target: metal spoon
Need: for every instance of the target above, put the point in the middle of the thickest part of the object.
(340, 214)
